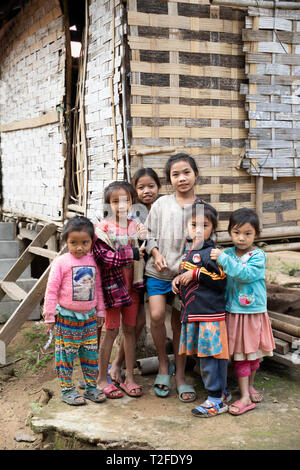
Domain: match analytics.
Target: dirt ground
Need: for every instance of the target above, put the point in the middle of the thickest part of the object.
(274, 425)
(22, 394)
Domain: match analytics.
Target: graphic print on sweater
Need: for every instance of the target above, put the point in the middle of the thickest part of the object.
(83, 280)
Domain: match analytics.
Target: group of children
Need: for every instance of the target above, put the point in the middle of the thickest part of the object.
(165, 247)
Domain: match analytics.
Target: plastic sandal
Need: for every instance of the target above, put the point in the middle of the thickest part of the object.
(128, 388)
(242, 408)
(70, 398)
(95, 395)
(181, 389)
(162, 379)
(110, 390)
(208, 409)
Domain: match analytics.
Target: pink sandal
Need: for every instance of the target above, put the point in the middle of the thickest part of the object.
(242, 408)
(110, 390)
(128, 389)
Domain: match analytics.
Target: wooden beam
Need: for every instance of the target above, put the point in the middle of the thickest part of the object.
(24, 310)
(43, 252)
(13, 291)
(48, 118)
(257, 3)
(26, 258)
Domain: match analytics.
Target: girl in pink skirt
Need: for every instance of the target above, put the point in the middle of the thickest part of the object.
(249, 329)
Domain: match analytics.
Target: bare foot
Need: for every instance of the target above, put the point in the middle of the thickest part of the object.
(255, 396)
(115, 373)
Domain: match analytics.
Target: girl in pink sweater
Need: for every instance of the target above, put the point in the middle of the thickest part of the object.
(74, 294)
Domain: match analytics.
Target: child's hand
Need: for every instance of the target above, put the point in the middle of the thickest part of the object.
(186, 278)
(160, 262)
(215, 253)
(175, 284)
(141, 251)
(141, 231)
(49, 327)
(100, 322)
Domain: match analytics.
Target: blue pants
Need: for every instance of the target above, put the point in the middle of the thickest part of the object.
(214, 375)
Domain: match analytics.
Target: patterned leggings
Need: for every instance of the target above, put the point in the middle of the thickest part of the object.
(76, 337)
(245, 368)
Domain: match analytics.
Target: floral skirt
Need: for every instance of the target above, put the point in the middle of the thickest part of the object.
(204, 338)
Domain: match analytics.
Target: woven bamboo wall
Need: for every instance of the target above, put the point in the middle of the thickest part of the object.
(103, 118)
(32, 64)
(187, 69)
(272, 46)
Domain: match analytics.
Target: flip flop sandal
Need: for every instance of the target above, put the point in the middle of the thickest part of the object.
(70, 398)
(181, 389)
(165, 380)
(208, 409)
(242, 408)
(128, 388)
(95, 395)
(110, 390)
(252, 393)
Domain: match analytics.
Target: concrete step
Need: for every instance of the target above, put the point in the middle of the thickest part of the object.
(7, 231)
(6, 265)
(9, 249)
(8, 306)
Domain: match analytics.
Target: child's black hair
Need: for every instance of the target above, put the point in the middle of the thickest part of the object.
(244, 216)
(115, 185)
(143, 172)
(208, 211)
(178, 158)
(78, 224)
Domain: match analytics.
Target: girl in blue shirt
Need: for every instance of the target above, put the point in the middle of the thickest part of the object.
(249, 329)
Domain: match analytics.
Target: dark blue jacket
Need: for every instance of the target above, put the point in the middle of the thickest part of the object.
(203, 299)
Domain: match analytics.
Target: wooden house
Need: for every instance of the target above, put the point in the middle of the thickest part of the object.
(217, 79)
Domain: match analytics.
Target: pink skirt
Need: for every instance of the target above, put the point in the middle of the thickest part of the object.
(250, 336)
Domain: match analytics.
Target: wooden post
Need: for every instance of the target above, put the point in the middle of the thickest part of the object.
(259, 199)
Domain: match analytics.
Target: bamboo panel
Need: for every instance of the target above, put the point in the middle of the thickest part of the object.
(192, 133)
(181, 92)
(204, 47)
(184, 22)
(181, 69)
(195, 112)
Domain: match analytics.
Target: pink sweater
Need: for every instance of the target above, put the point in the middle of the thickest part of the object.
(74, 284)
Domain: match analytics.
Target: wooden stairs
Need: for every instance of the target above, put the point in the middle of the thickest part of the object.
(28, 300)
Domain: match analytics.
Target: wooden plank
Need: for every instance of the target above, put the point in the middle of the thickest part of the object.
(284, 318)
(43, 252)
(26, 307)
(282, 347)
(26, 258)
(284, 336)
(13, 290)
(49, 118)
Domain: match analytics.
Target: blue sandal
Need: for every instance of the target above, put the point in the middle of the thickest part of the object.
(71, 398)
(209, 408)
(164, 380)
(95, 395)
(185, 388)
